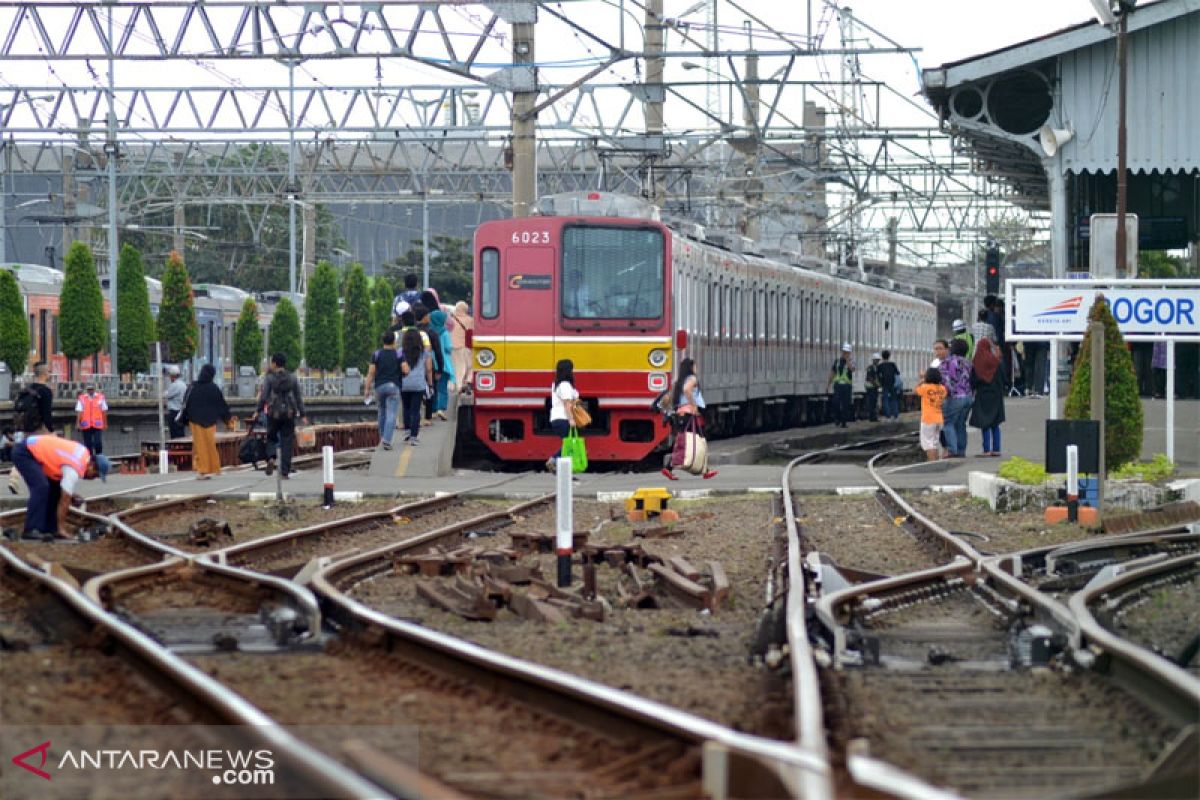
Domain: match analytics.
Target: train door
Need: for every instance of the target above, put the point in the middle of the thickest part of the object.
(530, 313)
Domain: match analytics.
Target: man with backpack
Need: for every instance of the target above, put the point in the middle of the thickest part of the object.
(283, 404)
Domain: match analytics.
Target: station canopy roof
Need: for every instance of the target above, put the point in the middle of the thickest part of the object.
(996, 103)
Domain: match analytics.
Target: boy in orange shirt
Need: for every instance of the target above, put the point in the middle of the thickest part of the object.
(932, 393)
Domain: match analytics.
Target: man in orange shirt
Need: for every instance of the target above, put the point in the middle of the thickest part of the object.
(932, 393)
(51, 467)
(91, 416)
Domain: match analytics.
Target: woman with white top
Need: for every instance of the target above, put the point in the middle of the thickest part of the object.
(562, 403)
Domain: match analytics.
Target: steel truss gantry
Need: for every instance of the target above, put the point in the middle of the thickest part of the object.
(199, 82)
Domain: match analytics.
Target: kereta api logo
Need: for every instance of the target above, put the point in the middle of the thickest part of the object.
(42, 748)
(1065, 308)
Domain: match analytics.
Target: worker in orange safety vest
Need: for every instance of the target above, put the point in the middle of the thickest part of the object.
(91, 416)
(52, 467)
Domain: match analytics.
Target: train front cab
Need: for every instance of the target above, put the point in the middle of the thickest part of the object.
(592, 290)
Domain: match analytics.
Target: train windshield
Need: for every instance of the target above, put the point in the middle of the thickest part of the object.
(612, 273)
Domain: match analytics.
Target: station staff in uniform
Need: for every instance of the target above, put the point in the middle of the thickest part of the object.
(841, 379)
(51, 467)
(91, 417)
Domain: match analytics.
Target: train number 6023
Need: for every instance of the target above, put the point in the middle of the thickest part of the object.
(531, 237)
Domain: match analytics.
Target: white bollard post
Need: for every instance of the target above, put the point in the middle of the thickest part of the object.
(565, 530)
(327, 473)
(1171, 400)
(1072, 483)
(164, 466)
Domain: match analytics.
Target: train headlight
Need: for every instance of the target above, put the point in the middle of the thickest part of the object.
(658, 358)
(485, 381)
(657, 381)
(485, 357)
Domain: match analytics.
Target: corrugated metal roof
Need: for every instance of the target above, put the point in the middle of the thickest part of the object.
(1163, 95)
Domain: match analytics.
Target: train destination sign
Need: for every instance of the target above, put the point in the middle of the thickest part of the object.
(1143, 308)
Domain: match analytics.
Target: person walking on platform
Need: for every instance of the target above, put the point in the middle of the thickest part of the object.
(440, 339)
(563, 396)
(284, 404)
(384, 375)
(888, 372)
(173, 395)
(982, 328)
(987, 379)
(203, 406)
(416, 370)
(932, 394)
(51, 467)
(956, 375)
(841, 379)
(458, 339)
(872, 384)
(91, 417)
(687, 404)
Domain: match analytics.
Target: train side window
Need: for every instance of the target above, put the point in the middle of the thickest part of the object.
(489, 278)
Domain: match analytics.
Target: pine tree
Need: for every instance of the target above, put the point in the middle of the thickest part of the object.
(322, 320)
(81, 327)
(382, 298)
(248, 338)
(135, 325)
(358, 328)
(14, 330)
(177, 325)
(284, 333)
(1122, 406)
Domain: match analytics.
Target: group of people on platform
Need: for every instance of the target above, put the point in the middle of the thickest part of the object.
(423, 357)
(964, 385)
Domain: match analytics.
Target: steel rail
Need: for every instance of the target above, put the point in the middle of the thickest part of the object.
(1174, 687)
(75, 515)
(773, 768)
(323, 774)
(1174, 540)
(1045, 607)
(245, 552)
(809, 719)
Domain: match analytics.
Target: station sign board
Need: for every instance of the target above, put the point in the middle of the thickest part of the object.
(1144, 309)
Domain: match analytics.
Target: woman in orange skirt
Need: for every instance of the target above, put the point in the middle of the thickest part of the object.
(203, 407)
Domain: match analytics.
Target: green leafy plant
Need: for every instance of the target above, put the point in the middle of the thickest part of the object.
(135, 323)
(1122, 406)
(14, 330)
(1019, 470)
(177, 326)
(248, 338)
(322, 320)
(284, 333)
(382, 298)
(358, 327)
(81, 326)
(1159, 468)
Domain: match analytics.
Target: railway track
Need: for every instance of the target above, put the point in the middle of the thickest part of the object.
(488, 724)
(979, 682)
(94, 671)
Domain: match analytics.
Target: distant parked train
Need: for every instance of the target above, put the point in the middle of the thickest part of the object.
(217, 310)
(600, 281)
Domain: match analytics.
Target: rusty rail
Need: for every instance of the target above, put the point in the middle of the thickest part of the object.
(324, 775)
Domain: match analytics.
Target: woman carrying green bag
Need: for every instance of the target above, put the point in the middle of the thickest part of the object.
(563, 397)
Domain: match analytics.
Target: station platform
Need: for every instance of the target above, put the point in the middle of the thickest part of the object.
(742, 462)
(432, 457)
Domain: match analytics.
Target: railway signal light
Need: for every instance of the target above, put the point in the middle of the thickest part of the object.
(991, 271)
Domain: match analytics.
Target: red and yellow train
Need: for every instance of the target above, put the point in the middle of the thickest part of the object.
(602, 282)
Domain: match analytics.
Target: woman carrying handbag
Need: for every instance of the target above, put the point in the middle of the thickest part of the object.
(564, 408)
(691, 449)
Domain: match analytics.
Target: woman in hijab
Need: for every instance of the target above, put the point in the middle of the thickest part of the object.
(439, 337)
(987, 378)
(463, 322)
(203, 407)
